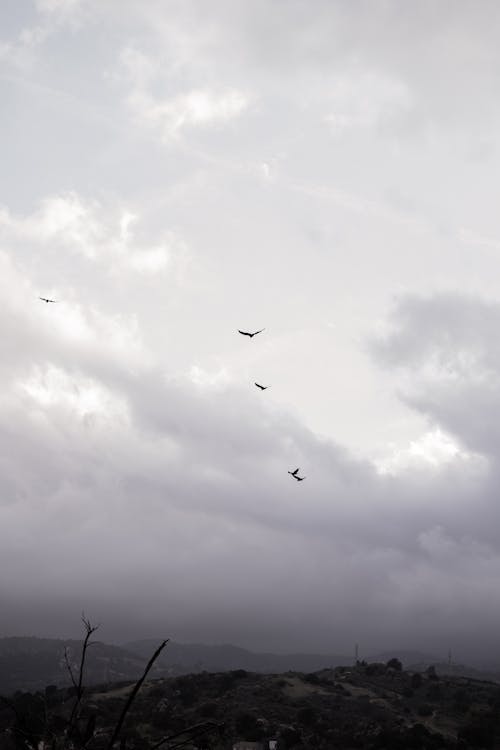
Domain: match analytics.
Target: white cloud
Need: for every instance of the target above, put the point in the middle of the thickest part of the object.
(204, 378)
(74, 329)
(87, 228)
(189, 106)
(196, 108)
(74, 395)
(153, 260)
(434, 450)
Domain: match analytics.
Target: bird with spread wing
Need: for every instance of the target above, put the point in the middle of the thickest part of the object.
(251, 335)
(262, 387)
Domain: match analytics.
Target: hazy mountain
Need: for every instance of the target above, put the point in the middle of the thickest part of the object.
(179, 658)
(32, 663)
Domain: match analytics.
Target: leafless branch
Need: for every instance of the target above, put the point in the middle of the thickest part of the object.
(68, 667)
(133, 694)
(89, 630)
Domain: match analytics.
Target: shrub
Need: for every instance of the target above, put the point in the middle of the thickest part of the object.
(394, 664)
(424, 710)
(416, 680)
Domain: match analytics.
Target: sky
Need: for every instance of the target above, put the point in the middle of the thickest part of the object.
(176, 170)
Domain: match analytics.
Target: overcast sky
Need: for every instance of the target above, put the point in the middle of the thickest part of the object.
(173, 170)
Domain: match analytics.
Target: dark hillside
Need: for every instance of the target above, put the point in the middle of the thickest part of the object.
(370, 707)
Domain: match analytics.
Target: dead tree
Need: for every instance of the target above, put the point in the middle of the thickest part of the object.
(78, 683)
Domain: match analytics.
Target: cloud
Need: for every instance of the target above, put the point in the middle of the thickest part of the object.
(53, 17)
(59, 7)
(178, 483)
(89, 229)
(431, 450)
(446, 349)
(145, 75)
(196, 108)
(363, 99)
(143, 476)
(181, 490)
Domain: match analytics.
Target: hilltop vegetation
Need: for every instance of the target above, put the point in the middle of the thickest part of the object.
(371, 707)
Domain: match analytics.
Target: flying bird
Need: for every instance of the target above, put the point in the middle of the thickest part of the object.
(294, 473)
(245, 333)
(262, 387)
(44, 299)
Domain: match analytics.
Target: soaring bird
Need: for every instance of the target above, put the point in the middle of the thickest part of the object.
(262, 387)
(245, 333)
(294, 473)
(44, 299)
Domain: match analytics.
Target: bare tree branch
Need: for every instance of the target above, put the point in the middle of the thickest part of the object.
(89, 630)
(133, 694)
(68, 667)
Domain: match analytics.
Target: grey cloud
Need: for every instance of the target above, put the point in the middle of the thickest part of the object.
(187, 512)
(447, 348)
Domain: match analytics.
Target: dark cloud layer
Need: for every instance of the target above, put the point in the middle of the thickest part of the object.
(175, 510)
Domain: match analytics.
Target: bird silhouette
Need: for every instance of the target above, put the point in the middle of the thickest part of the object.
(251, 335)
(262, 387)
(44, 299)
(294, 473)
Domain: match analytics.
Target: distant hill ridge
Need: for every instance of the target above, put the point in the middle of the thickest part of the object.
(31, 663)
(194, 657)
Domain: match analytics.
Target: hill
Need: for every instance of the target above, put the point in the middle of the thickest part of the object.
(370, 707)
(32, 663)
(184, 658)
(28, 663)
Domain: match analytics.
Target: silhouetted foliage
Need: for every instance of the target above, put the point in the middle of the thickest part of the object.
(247, 727)
(395, 664)
(416, 680)
(290, 737)
(480, 733)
